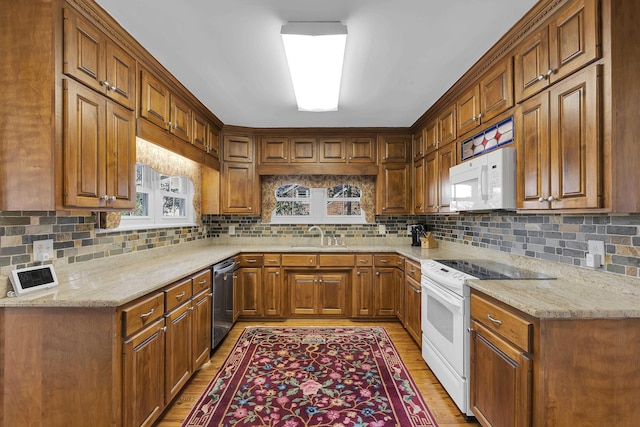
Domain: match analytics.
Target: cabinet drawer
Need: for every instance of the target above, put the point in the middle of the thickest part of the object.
(201, 281)
(386, 260)
(364, 260)
(271, 260)
(503, 321)
(177, 294)
(251, 260)
(336, 260)
(412, 269)
(143, 313)
(299, 260)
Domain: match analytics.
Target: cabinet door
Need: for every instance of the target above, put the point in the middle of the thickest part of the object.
(303, 293)
(238, 191)
(431, 136)
(84, 51)
(250, 281)
(213, 140)
(575, 141)
(332, 150)
(394, 189)
(395, 148)
(362, 150)
(431, 182)
(155, 100)
(84, 146)
(412, 298)
(384, 291)
(418, 186)
(201, 322)
(447, 157)
(143, 376)
(447, 124)
(304, 150)
(272, 292)
(363, 292)
(237, 148)
(199, 128)
(501, 381)
(120, 157)
(121, 76)
(496, 90)
(532, 65)
(573, 38)
(332, 294)
(418, 145)
(180, 118)
(532, 153)
(274, 150)
(468, 110)
(178, 359)
(237, 296)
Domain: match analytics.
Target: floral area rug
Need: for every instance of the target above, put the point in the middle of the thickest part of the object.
(312, 377)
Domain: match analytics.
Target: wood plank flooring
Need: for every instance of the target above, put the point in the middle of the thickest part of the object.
(441, 405)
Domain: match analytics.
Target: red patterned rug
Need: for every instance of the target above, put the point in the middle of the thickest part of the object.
(312, 377)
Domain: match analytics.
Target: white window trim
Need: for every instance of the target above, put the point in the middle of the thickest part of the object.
(318, 202)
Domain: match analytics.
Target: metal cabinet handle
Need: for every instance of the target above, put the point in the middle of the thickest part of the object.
(412, 271)
(202, 282)
(105, 197)
(358, 273)
(277, 273)
(416, 290)
(540, 77)
(550, 71)
(384, 260)
(551, 199)
(145, 315)
(496, 321)
(164, 329)
(180, 295)
(271, 260)
(377, 273)
(251, 261)
(105, 83)
(112, 198)
(542, 199)
(364, 261)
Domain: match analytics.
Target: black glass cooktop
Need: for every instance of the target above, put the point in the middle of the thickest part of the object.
(489, 270)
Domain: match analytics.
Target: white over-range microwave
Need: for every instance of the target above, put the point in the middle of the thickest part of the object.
(486, 182)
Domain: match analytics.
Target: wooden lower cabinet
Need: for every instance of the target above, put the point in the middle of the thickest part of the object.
(143, 376)
(272, 292)
(412, 309)
(178, 350)
(362, 286)
(318, 293)
(202, 306)
(385, 282)
(250, 291)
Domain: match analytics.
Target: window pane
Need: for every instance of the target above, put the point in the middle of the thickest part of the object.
(139, 175)
(293, 208)
(343, 190)
(172, 206)
(142, 206)
(343, 208)
(293, 191)
(172, 184)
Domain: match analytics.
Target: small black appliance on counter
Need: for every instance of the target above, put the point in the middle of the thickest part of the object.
(417, 231)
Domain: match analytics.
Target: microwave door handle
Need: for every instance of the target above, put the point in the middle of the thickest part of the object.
(484, 182)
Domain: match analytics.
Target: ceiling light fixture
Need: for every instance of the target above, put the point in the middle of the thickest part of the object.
(315, 53)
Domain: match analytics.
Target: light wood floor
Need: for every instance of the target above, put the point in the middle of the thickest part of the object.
(441, 405)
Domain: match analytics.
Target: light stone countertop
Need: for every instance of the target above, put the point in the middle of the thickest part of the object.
(114, 281)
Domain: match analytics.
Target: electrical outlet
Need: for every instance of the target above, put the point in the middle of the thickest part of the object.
(382, 229)
(408, 230)
(232, 230)
(596, 247)
(43, 250)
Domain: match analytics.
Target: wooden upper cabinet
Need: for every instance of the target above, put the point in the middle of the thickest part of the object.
(395, 148)
(567, 44)
(98, 151)
(468, 110)
(447, 125)
(95, 60)
(274, 150)
(155, 101)
(180, 123)
(332, 150)
(418, 144)
(237, 148)
(213, 139)
(303, 150)
(362, 149)
(200, 131)
(496, 90)
(394, 189)
(419, 179)
(447, 157)
(238, 190)
(431, 182)
(431, 136)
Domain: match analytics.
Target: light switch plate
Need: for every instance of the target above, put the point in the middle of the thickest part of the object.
(596, 247)
(43, 250)
(382, 229)
(232, 230)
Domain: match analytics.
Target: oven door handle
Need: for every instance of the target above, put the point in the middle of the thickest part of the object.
(453, 303)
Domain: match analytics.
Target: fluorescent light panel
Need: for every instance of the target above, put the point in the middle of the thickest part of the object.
(315, 53)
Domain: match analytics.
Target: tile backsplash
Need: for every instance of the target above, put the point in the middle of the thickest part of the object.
(559, 238)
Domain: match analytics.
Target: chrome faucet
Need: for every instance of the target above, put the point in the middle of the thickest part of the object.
(315, 227)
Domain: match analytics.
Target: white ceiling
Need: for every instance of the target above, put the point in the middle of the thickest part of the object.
(401, 55)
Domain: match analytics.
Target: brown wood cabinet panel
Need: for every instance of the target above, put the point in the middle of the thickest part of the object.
(393, 189)
(251, 260)
(504, 322)
(431, 182)
(155, 100)
(237, 148)
(303, 293)
(336, 260)
(412, 308)
(501, 380)
(431, 136)
(362, 149)
(274, 150)
(180, 124)
(142, 313)
(447, 125)
(332, 150)
(418, 144)
(84, 51)
(532, 64)
(362, 290)
(419, 178)
(121, 76)
(213, 141)
(363, 260)
(202, 281)
(250, 282)
(304, 150)
(532, 152)
(384, 291)
(496, 90)
(200, 131)
(178, 346)
(120, 157)
(272, 294)
(413, 270)
(468, 110)
(238, 188)
(575, 141)
(202, 305)
(395, 148)
(447, 157)
(178, 294)
(332, 294)
(143, 376)
(299, 260)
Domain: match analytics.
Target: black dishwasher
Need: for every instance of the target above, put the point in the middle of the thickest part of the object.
(222, 318)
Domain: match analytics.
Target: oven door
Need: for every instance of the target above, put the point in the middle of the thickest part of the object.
(443, 314)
